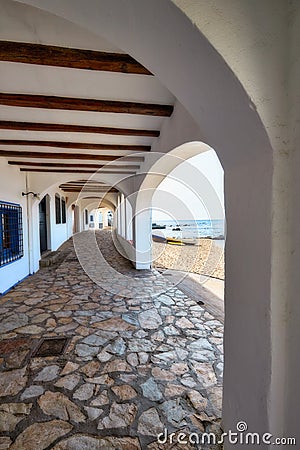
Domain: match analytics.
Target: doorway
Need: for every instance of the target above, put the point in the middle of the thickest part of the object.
(43, 225)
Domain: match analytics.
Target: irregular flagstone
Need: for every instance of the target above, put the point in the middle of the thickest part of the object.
(150, 319)
(93, 413)
(171, 331)
(179, 368)
(32, 391)
(165, 299)
(11, 414)
(5, 442)
(58, 405)
(86, 350)
(16, 359)
(205, 374)
(68, 382)
(85, 442)
(203, 356)
(174, 390)
(40, 435)
(197, 400)
(84, 392)
(120, 415)
(184, 323)
(69, 368)
(117, 365)
(188, 381)
(49, 373)
(133, 359)
(141, 345)
(162, 374)
(200, 344)
(174, 412)
(30, 329)
(12, 382)
(172, 355)
(104, 356)
(90, 368)
(114, 324)
(143, 357)
(150, 423)
(94, 340)
(131, 318)
(125, 392)
(102, 379)
(117, 347)
(40, 318)
(12, 322)
(151, 390)
(101, 400)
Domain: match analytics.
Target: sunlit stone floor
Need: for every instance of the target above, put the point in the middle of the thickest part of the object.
(142, 357)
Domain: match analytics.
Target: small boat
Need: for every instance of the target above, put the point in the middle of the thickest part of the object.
(176, 229)
(158, 227)
(157, 238)
(174, 241)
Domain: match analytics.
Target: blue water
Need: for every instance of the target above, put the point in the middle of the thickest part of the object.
(192, 229)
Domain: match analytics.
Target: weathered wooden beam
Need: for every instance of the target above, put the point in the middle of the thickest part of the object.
(66, 128)
(84, 104)
(64, 188)
(87, 190)
(75, 171)
(79, 165)
(50, 55)
(79, 156)
(74, 145)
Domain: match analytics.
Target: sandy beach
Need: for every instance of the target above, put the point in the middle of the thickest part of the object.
(204, 258)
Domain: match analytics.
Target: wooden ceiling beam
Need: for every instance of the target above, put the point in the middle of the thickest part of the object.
(75, 145)
(50, 55)
(84, 104)
(109, 191)
(66, 128)
(79, 156)
(76, 171)
(78, 166)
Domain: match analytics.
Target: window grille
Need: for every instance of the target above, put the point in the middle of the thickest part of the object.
(11, 233)
(57, 209)
(63, 210)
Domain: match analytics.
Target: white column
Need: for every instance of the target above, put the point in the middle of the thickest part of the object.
(118, 214)
(105, 217)
(143, 237)
(128, 211)
(123, 218)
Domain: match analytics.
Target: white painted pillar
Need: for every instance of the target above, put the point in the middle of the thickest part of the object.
(143, 237)
(128, 210)
(118, 214)
(104, 217)
(123, 217)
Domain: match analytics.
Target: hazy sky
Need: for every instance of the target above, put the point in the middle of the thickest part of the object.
(194, 190)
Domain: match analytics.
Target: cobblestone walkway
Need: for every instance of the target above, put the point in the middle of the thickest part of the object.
(141, 357)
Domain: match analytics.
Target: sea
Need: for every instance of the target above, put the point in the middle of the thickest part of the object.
(192, 229)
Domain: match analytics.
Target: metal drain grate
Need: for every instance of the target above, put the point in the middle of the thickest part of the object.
(51, 347)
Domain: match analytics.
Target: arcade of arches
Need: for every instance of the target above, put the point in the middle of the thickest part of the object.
(99, 102)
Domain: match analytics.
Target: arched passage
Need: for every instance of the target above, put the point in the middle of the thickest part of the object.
(211, 93)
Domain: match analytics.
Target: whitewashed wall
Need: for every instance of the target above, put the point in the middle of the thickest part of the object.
(12, 183)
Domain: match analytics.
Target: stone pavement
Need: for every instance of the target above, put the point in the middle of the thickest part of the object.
(141, 357)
